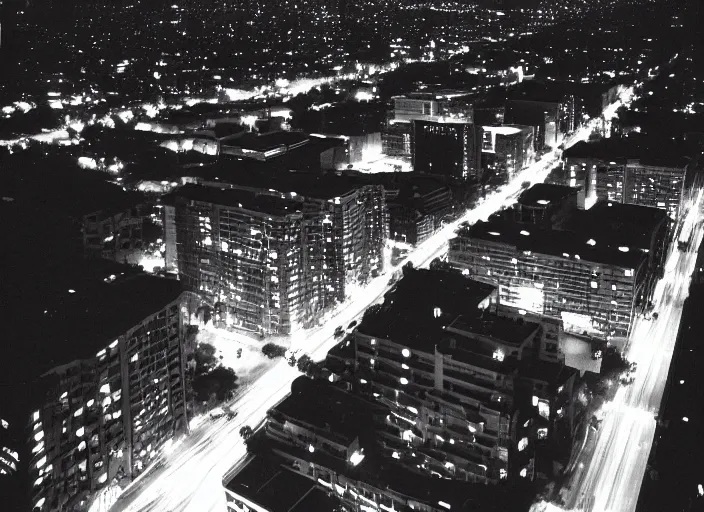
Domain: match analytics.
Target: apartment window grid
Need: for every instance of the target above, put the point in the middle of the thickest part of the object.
(567, 285)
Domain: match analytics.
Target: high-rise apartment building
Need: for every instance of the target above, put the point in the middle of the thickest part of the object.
(264, 263)
(462, 379)
(450, 149)
(104, 409)
(271, 262)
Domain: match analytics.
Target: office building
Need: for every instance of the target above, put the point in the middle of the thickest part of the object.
(506, 150)
(447, 148)
(434, 106)
(568, 115)
(543, 116)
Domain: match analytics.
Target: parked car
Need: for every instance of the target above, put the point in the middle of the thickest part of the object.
(216, 413)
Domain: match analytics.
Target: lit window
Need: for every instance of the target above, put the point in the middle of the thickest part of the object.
(80, 432)
(594, 284)
(403, 380)
(406, 353)
(522, 444)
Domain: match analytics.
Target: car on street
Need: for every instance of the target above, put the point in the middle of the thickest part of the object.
(216, 413)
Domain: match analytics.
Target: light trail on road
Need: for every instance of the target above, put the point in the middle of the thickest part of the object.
(190, 478)
(608, 477)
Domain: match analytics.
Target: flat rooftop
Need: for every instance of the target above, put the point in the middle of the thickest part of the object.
(544, 194)
(506, 330)
(237, 198)
(310, 184)
(453, 293)
(655, 151)
(268, 484)
(502, 130)
(269, 141)
(553, 242)
(619, 224)
(403, 326)
(327, 407)
(78, 313)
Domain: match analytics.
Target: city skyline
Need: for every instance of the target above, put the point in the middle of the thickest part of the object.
(333, 256)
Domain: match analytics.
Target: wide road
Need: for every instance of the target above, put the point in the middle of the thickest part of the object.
(189, 478)
(608, 477)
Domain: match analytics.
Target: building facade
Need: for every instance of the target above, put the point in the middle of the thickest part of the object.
(263, 263)
(105, 418)
(559, 274)
(447, 148)
(507, 149)
(648, 181)
(543, 116)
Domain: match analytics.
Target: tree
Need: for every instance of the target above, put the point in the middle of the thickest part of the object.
(272, 350)
(439, 264)
(308, 366)
(219, 383)
(205, 358)
(246, 432)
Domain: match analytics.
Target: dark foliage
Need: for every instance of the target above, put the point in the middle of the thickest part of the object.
(220, 383)
(272, 350)
(211, 380)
